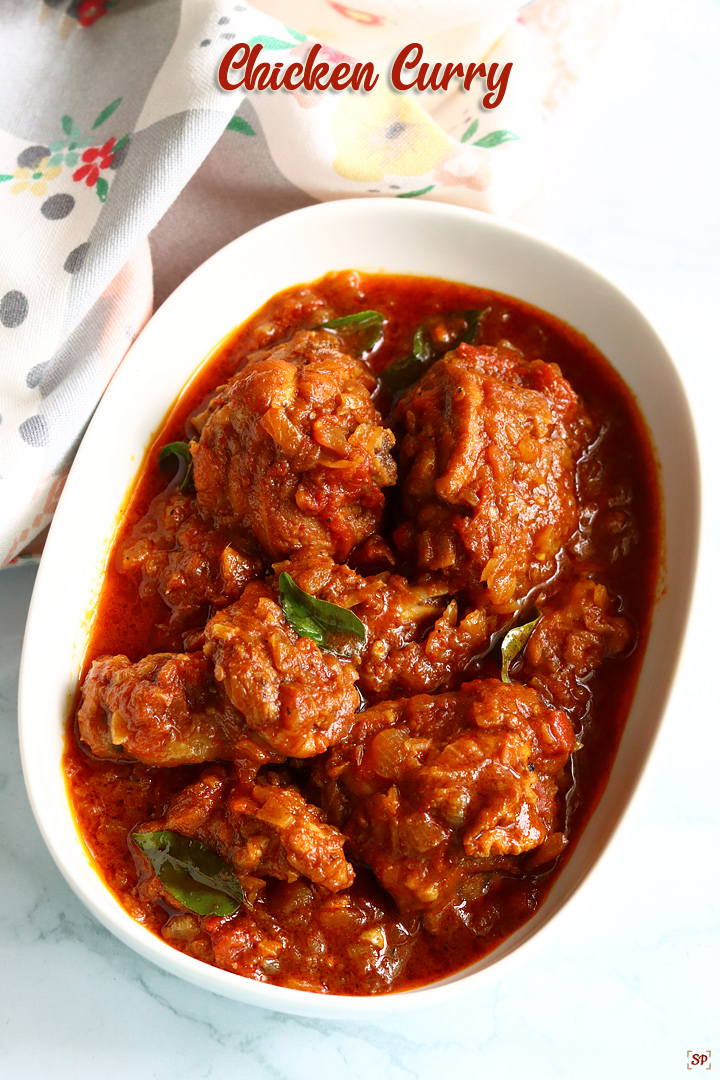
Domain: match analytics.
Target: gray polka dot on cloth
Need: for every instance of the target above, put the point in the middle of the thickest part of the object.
(35, 374)
(13, 309)
(32, 156)
(34, 431)
(205, 42)
(223, 21)
(76, 258)
(57, 207)
(228, 37)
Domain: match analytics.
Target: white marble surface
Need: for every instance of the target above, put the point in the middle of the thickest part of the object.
(633, 185)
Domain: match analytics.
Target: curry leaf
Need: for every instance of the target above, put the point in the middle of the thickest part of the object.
(472, 318)
(191, 872)
(408, 369)
(367, 323)
(359, 320)
(513, 644)
(402, 374)
(329, 625)
(181, 450)
(422, 346)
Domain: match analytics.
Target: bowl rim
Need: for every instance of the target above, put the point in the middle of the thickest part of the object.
(103, 903)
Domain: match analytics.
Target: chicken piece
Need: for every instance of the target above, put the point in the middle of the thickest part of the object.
(326, 941)
(571, 641)
(441, 788)
(286, 837)
(296, 451)
(487, 462)
(165, 710)
(298, 697)
(176, 553)
(303, 928)
(416, 639)
(261, 830)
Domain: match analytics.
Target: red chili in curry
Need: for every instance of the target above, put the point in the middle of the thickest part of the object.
(370, 658)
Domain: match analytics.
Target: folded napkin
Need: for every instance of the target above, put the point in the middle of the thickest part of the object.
(124, 164)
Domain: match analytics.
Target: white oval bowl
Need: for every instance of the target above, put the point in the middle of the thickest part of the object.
(396, 236)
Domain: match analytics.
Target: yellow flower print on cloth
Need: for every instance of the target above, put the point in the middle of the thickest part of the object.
(385, 133)
(35, 179)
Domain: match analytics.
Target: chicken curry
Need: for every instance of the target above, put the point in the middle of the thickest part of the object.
(368, 637)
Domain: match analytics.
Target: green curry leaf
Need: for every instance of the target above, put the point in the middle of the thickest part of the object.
(191, 872)
(368, 324)
(422, 346)
(402, 374)
(472, 318)
(332, 627)
(182, 451)
(406, 371)
(513, 644)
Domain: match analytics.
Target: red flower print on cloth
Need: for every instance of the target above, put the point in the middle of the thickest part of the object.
(90, 11)
(90, 171)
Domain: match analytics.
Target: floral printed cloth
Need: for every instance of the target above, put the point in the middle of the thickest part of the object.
(123, 165)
